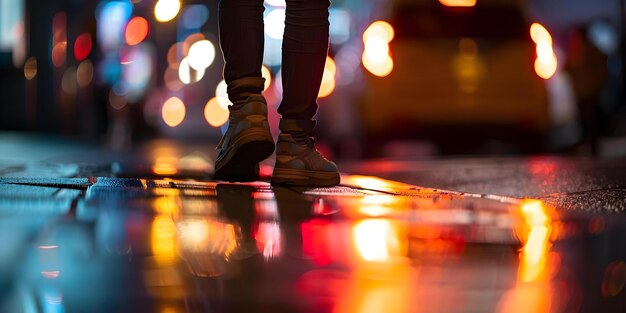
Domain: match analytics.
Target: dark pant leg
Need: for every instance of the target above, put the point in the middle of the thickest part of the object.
(305, 45)
(241, 40)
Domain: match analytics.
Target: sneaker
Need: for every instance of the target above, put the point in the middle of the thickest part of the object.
(247, 142)
(300, 164)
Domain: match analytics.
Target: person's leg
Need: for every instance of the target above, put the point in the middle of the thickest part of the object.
(241, 40)
(305, 45)
(248, 139)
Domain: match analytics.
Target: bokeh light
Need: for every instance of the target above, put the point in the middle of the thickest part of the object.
(59, 54)
(117, 101)
(267, 74)
(538, 33)
(112, 17)
(221, 94)
(84, 73)
(82, 46)
(215, 114)
(379, 68)
(194, 16)
(544, 52)
(328, 78)
(138, 72)
(546, 63)
(201, 55)
(340, 22)
(379, 29)
(166, 10)
(186, 74)
(136, 30)
(275, 23)
(68, 81)
(173, 112)
(376, 55)
(189, 41)
(546, 70)
(172, 82)
(376, 48)
(458, 3)
(174, 55)
(30, 68)
(276, 3)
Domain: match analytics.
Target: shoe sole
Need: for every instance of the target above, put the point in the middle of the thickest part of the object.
(304, 178)
(242, 164)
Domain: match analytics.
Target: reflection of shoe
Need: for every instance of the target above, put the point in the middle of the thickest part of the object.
(247, 142)
(300, 164)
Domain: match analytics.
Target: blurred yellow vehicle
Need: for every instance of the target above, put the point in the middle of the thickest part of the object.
(461, 69)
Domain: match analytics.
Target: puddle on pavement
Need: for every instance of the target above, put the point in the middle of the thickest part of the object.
(171, 246)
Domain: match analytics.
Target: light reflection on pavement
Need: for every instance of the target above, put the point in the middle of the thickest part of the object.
(369, 245)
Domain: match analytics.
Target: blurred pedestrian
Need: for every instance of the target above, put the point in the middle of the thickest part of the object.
(248, 139)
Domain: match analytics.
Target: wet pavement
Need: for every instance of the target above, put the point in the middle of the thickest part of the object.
(113, 233)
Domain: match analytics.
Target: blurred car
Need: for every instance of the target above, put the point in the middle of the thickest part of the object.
(464, 74)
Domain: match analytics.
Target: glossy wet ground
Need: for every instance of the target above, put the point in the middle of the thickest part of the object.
(77, 237)
(370, 245)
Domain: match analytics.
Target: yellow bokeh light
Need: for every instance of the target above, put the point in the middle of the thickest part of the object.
(328, 78)
(539, 33)
(544, 52)
(215, 114)
(379, 68)
(379, 29)
(376, 49)
(166, 10)
(327, 87)
(376, 56)
(267, 74)
(546, 70)
(30, 68)
(173, 112)
(458, 3)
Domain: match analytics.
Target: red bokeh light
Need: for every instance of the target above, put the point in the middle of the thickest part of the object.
(82, 46)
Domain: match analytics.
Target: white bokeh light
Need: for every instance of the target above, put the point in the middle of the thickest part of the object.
(275, 23)
(276, 3)
(221, 94)
(186, 74)
(201, 55)
(166, 10)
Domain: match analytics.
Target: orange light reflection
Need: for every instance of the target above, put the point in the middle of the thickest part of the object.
(538, 226)
(202, 235)
(163, 239)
